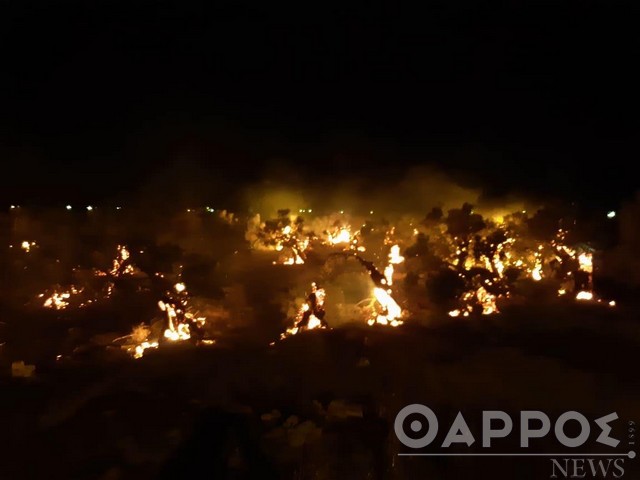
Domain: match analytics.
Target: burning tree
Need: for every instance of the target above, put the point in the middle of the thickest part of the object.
(471, 262)
(282, 234)
(182, 322)
(311, 314)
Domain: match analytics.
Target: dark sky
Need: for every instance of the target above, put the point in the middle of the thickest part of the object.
(97, 97)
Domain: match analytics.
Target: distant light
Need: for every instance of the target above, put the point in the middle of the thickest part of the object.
(310, 210)
(612, 303)
(342, 212)
(118, 208)
(89, 208)
(611, 214)
(371, 212)
(13, 207)
(69, 207)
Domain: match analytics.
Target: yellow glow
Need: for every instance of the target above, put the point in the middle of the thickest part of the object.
(586, 262)
(343, 236)
(139, 350)
(394, 255)
(314, 322)
(389, 305)
(584, 295)
(536, 273)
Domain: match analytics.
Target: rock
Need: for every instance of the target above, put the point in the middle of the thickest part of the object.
(20, 370)
(235, 460)
(113, 473)
(342, 409)
(277, 433)
(240, 409)
(363, 362)
(63, 409)
(174, 437)
(271, 417)
(303, 433)
(104, 339)
(290, 422)
(318, 409)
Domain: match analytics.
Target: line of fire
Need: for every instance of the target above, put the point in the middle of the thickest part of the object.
(301, 332)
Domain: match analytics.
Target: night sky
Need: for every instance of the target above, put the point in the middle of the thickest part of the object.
(99, 97)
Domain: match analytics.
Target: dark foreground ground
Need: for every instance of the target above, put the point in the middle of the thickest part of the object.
(321, 405)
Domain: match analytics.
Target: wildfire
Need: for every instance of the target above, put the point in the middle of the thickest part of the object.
(59, 300)
(489, 256)
(311, 314)
(182, 323)
(586, 262)
(394, 255)
(342, 236)
(394, 259)
(536, 273)
(584, 295)
(391, 312)
(139, 349)
(26, 245)
(138, 341)
(481, 262)
(487, 301)
(283, 234)
(120, 265)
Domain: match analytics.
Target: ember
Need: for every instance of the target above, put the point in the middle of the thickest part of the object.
(59, 300)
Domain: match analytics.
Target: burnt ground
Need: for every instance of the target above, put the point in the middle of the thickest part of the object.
(320, 404)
